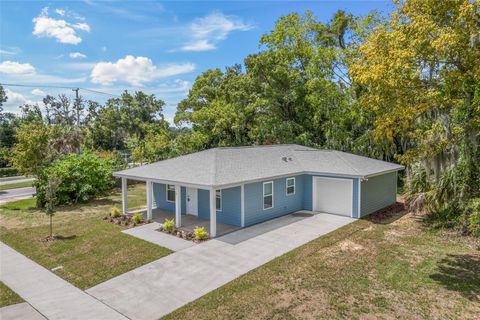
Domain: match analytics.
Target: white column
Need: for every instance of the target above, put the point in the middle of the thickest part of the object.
(124, 196)
(149, 200)
(213, 214)
(178, 206)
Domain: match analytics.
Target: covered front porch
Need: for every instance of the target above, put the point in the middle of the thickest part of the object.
(189, 222)
(187, 205)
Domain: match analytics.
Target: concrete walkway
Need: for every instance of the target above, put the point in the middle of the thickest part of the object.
(20, 311)
(160, 287)
(148, 232)
(52, 296)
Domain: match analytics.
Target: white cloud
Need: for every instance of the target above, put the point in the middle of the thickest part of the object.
(103, 49)
(200, 45)
(60, 12)
(76, 55)
(25, 73)
(209, 30)
(16, 99)
(59, 29)
(13, 67)
(10, 51)
(135, 71)
(38, 92)
(82, 26)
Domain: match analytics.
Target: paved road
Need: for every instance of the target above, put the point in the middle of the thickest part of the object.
(52, 296)
(160, 287)
(16, 194)
(2, 182)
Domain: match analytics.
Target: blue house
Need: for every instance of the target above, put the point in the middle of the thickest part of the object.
(243, 186)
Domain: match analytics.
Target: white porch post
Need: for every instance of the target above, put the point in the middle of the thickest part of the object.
(213, 213)
(178, 206)
(149, 200)
(124, 196)
(242, 205)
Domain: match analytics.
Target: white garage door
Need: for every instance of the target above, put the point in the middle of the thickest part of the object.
(331, 195)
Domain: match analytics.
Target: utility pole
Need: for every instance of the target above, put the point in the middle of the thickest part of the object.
(77, 106)
(77, 109)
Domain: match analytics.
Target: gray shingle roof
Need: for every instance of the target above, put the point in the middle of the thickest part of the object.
(226, 166)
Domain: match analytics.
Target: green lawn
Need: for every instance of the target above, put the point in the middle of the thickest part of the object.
(7, 296)
(89, 249)
(16, 185)
(366, 270)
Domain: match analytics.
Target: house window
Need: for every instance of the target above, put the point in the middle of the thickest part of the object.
(290, 186)
(267, 195)
(170, 192)
(218, 194)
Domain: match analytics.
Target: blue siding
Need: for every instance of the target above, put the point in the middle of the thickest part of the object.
(160, 198)
(231, 210)
(203, 204)
(355, 213)
(378, 192)
(183, 191)
(282, 204)
(307, 192)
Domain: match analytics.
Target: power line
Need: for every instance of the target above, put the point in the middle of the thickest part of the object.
(57, 87)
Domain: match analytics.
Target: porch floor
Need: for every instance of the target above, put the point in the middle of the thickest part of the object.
(189, 222)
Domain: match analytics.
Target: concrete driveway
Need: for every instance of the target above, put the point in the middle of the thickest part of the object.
(160, 287)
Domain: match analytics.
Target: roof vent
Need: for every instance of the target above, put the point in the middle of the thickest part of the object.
(287, 159)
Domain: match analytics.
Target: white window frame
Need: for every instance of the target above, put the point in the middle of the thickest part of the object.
(166, 193)
(294, 186)
(218, 195)
(263, 193)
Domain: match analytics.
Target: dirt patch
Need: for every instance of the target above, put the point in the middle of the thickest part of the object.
(349, 245)
(389, 214)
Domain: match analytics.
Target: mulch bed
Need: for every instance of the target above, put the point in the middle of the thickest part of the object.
(388, 214)
(186, 235)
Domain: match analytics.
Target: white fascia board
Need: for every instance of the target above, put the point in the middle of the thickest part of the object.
(183, 184)
(383, 172)
(293, 174)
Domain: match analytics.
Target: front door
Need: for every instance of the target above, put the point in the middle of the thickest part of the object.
(192, 201)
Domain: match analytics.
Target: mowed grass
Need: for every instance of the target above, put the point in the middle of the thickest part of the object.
(379, 269)
(16, 185)
(7, 296)
(89, 249)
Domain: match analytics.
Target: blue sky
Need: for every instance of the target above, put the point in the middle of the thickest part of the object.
(155, 46)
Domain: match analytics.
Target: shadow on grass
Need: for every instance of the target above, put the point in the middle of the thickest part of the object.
(91, 203)
(388, 215)
(60, 237)
(461, 273)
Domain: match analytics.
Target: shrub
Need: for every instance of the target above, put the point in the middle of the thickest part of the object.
(168, 225)
(8, 172)
(115, 212)
(474, 217)
(137, 218)
(83, 177)
(200, 233)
